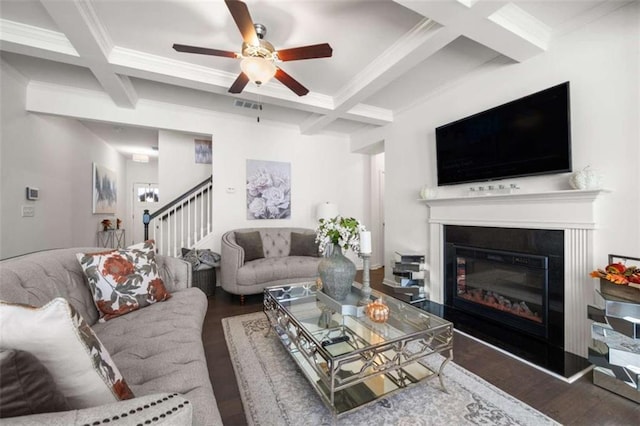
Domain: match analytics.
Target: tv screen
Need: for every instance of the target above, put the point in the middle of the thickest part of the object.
(525, 137)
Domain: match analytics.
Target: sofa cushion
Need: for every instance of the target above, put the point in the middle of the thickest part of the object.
(277, 268)
(27, 387)
(159, 348)
(65, 344)
(251, 243)
(123, 280)
(35, 279)
(303, 245)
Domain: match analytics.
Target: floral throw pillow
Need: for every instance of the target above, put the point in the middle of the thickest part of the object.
(58, 336)
(123, 280)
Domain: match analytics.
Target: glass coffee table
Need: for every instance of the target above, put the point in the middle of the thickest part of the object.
(350, 360)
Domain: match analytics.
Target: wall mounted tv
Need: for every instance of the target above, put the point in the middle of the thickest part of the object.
(525, 137)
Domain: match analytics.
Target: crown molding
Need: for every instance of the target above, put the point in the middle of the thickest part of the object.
(40, 38)
(401, 49)
(523, 24)
(370, 114)
(100, 34)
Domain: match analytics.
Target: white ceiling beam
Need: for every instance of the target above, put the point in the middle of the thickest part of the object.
(185, 74)
(41, 43)
(79, 22)
(38, 39)
(422, 41)
(498, 24)
(83, 104)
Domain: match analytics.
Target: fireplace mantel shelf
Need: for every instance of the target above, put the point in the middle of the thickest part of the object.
(533, 197)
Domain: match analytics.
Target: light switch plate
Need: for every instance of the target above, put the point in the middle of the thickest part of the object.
(28, 211)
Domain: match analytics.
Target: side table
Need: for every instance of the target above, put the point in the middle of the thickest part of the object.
(205, 280)
(111, 238)
(615, 349)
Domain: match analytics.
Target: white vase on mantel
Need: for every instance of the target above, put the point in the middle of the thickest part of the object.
(586, 178)
(428, 192)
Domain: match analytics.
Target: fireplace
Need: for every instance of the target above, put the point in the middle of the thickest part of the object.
(505, 286)
(559, 227)
(512, 277)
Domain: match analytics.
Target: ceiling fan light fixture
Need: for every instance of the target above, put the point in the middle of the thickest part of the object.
(259, 70)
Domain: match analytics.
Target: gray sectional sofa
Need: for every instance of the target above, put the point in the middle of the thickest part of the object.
(255, 258)
(158, 349)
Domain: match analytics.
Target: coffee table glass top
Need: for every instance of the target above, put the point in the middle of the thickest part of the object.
(349, 359)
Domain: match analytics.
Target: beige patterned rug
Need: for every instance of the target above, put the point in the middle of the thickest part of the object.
(274, 392)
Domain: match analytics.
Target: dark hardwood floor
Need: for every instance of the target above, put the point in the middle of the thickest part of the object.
(580, 403)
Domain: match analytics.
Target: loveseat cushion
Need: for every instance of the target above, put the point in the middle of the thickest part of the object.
(277, 268)
(251, 243)
(27, 387)
(304, 245)
(159, 349)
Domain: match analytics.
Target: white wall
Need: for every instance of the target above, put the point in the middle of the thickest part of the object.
(322, 169)
(55, 155)
(177, 168)
(601, 60)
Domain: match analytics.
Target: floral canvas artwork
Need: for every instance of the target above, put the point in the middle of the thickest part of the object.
(268, 190)
(105, 190)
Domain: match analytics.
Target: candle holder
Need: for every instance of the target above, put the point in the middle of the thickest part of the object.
(366, 282)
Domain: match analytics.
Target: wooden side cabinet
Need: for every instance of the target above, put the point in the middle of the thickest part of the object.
(112, 238)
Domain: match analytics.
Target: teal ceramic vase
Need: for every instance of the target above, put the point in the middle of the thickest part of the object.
(336, 272)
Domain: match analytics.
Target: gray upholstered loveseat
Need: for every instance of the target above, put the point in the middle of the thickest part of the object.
(158, 349)
(241, 274)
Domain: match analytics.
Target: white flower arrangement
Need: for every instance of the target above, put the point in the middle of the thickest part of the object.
(343, 231)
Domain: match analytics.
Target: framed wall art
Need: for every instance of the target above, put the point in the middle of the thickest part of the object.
(204, 151)
(105, 190)
(268, 190)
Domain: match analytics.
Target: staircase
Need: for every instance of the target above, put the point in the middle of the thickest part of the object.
(184, 222)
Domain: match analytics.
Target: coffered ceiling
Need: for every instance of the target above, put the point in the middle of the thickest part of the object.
(387, 55)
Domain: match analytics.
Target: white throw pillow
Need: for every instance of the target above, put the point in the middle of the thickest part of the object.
(64, 343)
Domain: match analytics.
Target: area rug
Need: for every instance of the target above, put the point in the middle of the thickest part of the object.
(275, 392)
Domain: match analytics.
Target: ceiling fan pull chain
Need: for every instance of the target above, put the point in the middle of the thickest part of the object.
(259, 106)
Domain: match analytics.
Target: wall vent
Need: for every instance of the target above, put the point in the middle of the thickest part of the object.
(241, 103)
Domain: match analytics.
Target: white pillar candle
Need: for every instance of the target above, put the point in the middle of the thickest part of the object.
(365, 242)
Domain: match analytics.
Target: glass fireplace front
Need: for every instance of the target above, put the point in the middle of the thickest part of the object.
(506, 286)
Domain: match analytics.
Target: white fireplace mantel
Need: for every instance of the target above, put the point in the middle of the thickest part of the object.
(571, 210)
(545, 210)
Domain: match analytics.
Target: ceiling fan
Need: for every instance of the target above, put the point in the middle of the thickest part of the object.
(258, 55)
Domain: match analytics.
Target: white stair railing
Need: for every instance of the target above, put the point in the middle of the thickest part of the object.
(187, 219)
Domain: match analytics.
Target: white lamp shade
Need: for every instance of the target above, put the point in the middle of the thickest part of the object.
(327, 211)
(259, 70)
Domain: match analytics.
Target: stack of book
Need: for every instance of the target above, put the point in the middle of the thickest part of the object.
(408, 274)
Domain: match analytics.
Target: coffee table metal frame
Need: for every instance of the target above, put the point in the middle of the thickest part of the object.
(371, 361)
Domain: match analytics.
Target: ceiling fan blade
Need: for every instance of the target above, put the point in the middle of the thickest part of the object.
(239, 84)
(240, 14)
(306, 52)
(291, 83)
(204, 51)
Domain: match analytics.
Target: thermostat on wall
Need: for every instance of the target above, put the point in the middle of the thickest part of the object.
(32, 193)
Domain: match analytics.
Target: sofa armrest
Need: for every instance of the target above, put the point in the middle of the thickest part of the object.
(176, 273)
(157, 409)
(232, 260)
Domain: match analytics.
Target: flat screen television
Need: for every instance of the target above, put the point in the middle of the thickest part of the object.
(526, 137)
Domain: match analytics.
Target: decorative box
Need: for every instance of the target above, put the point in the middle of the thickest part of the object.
(626, 292)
